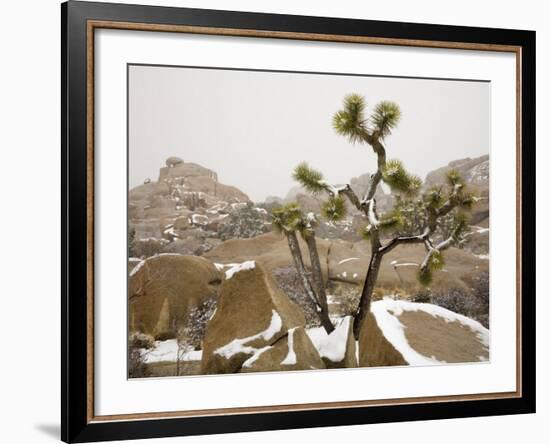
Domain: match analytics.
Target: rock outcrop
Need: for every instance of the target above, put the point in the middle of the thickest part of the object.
(163, 289)
(347, 262)
(474, 171)
(398, 332)
(294, 351)
(252, 313)
(186, 202)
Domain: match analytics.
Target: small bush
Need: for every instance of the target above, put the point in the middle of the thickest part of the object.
(243, 223)
(197, 320)
(289, 282)
(137, 368)
(473, 304)
(141, 340)
(423, 296)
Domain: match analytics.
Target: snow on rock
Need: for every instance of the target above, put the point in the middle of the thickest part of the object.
(387, 312)
(331, 346)
(235, 268)
(290, 358)
(343, 261)
(481, 230)
(331, 299)
(239, 345)
(144, 261)
(199, 219)
(250, 361)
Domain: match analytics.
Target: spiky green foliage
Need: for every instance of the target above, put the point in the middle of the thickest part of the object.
(454, 177)
(460, 225)
(414, 185)
(434, 197)
(391, 220)
(285, 218)
(396, 176)
(436, 261)
(385, 117)
(467, 200)
(308, 177)
(455, 225)
(350, 121)
(334, 208)
(302, 225)
(425, 276)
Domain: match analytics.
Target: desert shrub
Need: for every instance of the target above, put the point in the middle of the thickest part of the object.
(190, 331)
(480, 288)
(197, 320)
(269, 207)
(131, 241)
(141, 340)
(289, 282)
(474, 304)
(456, 300)
(422, 296)
(137, 343)
(243, 223)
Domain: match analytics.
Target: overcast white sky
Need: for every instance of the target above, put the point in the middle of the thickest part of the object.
(253, 128)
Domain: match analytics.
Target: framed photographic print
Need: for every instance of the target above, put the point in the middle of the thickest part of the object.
(275, 221)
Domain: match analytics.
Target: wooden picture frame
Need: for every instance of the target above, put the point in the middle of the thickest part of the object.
(79, 22)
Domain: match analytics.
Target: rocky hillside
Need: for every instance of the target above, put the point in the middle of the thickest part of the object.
(475, 171)
(186, 210)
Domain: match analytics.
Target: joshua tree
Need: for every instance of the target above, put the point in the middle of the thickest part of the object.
(289, 220)
(383, 230)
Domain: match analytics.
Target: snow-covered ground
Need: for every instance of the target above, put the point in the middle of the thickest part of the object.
(168, 351)
(333, 346)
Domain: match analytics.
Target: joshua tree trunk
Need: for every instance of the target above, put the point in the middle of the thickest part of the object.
(302, 272)
(318, 281)
(366, 293)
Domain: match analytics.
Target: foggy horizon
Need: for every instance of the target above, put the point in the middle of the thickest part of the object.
(252, 128)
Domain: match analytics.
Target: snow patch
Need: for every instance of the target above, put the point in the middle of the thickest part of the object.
(239, 345)
(168, 351)
(331, 299)
(248, 363)
(248, 265)
(290, 358)
(144, 261)
(343, 261)
(331, 346)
